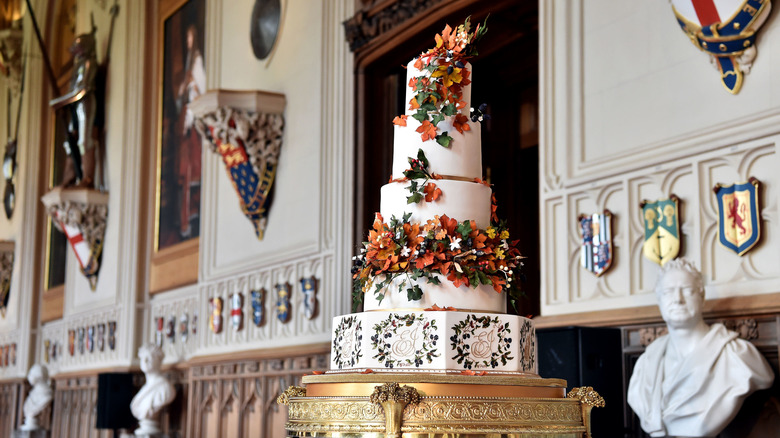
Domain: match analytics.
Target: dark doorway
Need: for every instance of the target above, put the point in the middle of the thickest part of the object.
(506, 78)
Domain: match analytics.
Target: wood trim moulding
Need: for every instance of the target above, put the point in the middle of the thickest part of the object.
(713, 309)
(267, 353)
(175, 266)
(81, 374)
(52, 304)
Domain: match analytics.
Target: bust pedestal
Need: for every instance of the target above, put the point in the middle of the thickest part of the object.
(37, 433)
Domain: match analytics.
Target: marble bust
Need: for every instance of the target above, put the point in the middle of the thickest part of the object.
(693, 381)
(38, 398)
(156, 393)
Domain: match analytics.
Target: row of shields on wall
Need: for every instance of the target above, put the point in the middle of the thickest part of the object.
(8, 355)
(165, 328)
(739, 227)
(83, 340)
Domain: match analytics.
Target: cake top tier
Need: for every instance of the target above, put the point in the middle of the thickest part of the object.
(439, 82)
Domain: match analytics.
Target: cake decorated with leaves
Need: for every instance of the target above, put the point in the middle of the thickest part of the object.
(438, 268)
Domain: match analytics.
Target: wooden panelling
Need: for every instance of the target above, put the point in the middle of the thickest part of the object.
(52, 304)
(175, 266)
(11, 399)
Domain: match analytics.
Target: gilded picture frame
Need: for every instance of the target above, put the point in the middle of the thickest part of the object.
(180, 78)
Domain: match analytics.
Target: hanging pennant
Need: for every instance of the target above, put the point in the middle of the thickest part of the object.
(739, 215)
(309, 289)
(258, 306)
(662, 229)
(596, 234)
(283, 306)
(215, 318)
(726, 30)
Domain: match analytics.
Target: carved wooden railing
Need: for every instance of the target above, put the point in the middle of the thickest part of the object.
(75, 404)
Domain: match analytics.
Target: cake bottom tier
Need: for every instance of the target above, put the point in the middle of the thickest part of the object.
(434, 341)
(452, 406)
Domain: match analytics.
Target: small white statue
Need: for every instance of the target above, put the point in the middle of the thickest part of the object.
(39, 397)
(692, 382)
(156, 393)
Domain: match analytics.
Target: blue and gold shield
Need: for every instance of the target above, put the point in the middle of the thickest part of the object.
(739, 217)
(309, 289)
(596, 234)
(662, 229)
(283, 306)
(258, 306)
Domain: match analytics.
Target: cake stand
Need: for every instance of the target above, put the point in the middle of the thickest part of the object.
(415, 405)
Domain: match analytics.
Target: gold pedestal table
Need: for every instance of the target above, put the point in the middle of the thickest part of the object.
(411, 405)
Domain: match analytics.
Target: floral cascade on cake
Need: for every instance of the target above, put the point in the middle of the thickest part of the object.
(436, 270)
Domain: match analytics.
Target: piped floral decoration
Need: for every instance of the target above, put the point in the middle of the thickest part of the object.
(457, 251)
(438, 92)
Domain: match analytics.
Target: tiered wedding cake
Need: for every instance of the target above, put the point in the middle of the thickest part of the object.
(436, 270)
(434, 353)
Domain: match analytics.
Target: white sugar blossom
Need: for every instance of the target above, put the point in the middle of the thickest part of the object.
(455, 244)
(405, 251)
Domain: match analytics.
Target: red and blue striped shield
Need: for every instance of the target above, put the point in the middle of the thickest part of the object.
(739, 217)
(596, 234)
(726, 30)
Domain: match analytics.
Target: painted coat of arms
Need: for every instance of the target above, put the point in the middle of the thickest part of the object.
(309, 289)
(258, 306)
(726, 30)
(662, 229)
(596, 234)
(739, 226)
(215, 319)
(283, 305)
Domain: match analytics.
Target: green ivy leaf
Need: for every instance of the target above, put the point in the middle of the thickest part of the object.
(422, 158)
(414, 293)
(449, 110)
(436, 119)
(414, 199)
(421, 115)
(444, 139)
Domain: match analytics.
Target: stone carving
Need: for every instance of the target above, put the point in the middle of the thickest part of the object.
(156, 393)
(366, 24)
(746, 329)
(38, 398)
(707, 370)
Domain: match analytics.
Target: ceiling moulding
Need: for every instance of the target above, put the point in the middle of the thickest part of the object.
(245, 128)
(81, 215)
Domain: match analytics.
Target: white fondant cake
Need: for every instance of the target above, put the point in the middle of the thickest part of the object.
(459, 199)
(435, 272)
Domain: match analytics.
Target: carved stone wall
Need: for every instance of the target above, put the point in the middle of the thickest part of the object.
(614, 131)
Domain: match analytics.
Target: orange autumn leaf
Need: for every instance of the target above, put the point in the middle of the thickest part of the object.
(441, 234)
(428, 130)
(436, 176)
(461, 123)
(418, 64)
(424, 260)
(367, 371)
(432, 192)
(400, 120)
(413, 104)
(436, 308)
(317, 373)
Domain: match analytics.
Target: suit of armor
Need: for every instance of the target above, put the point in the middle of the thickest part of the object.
(81, 103)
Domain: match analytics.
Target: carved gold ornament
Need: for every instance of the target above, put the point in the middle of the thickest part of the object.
(292, 391)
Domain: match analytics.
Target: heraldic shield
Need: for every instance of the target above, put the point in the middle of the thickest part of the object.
(726, 30)
(739, 218)
(662, 229)
(596, 234)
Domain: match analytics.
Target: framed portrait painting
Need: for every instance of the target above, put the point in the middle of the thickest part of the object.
(181, 79)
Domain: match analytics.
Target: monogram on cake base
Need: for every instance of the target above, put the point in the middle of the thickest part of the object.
(434, 352)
